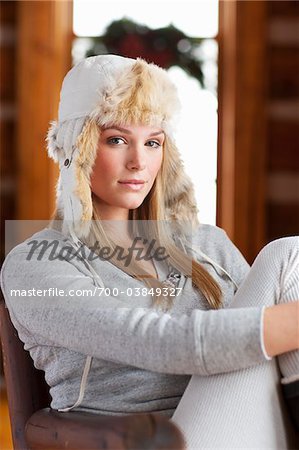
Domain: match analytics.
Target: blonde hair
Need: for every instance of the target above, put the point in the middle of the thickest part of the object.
(152, 210)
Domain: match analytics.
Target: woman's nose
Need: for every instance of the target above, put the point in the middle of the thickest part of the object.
(136, 157)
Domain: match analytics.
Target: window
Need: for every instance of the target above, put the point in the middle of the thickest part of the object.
(197, 130)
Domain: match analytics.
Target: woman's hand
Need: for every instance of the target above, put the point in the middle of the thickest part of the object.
(281, 328)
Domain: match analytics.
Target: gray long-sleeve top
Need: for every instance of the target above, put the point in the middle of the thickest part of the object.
(142, 358)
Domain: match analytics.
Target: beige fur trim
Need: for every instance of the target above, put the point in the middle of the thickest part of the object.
(87, 145)
(53, 149)
(143, 94)
(179, 195)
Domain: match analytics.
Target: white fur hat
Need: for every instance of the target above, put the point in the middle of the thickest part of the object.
(111, 89)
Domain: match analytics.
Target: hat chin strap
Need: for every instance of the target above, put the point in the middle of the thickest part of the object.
(88, 361)
(68, 222)
(75, 239)
(82, 385)
(99, 282)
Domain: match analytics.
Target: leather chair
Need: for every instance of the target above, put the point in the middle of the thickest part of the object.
(36, 426)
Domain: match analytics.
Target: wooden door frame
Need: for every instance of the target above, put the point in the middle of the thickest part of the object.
(45, 34)
(242, 123)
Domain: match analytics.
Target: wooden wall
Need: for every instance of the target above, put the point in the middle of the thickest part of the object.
(8, 115)
(242, 124)
(258, 140)
(8, 24)
(35, 55)
(44, 56)
(282, 149)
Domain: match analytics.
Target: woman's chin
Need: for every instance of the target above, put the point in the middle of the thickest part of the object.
(133, 205)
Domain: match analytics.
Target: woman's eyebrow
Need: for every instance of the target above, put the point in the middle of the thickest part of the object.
(118, 129)
(157, 133)
(124, 130)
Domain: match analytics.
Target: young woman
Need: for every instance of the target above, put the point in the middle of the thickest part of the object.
(128, 303)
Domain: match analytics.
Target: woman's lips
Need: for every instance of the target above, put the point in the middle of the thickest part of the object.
(133, 185)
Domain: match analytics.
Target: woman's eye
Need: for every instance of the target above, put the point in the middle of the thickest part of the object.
(115, 141)
(153, 144)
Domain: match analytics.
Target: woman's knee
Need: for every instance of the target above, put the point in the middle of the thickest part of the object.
(283, 244)
(284, 248)
(280, 256)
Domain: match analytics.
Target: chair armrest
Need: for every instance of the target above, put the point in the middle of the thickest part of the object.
(291, 396)
(49, 429)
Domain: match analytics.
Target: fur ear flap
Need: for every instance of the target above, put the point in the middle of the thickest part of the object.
(180, 203)
(51, 139)
(61, 138)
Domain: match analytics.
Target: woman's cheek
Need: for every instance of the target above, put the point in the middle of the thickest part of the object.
(106, 166)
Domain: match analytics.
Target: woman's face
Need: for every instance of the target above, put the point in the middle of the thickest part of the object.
(125, 169)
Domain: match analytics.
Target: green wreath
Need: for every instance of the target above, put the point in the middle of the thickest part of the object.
(166, 46)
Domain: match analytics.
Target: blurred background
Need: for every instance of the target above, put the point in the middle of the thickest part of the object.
(236, 66)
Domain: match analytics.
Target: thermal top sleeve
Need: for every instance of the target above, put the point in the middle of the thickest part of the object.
(203, 342)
